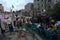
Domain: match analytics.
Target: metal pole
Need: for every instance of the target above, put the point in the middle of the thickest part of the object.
(12, 17)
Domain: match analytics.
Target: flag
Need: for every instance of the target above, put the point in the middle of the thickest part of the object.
(12, 6)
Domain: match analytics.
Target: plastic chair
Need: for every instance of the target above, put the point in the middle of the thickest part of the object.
(40, 31)
(33, 27)
(57, 36)
(49, 35)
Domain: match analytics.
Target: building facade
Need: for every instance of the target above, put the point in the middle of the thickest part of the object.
(1, 8)
(29, 6)
(55, 1)
(43, 5)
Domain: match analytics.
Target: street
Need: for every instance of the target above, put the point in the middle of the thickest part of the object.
(3, 38)
(21, 35)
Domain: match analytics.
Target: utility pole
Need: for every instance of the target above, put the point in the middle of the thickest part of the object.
(12, 15)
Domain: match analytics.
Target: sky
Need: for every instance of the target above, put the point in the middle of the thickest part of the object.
(18, 4)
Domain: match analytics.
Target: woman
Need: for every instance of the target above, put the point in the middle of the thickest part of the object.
(3, 29)
(10, 28)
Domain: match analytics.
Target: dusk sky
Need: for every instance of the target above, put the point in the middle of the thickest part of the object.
(18, 4)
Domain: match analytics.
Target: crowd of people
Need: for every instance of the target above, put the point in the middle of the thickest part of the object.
(44, 22)
(8, 25)
(47, 24)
